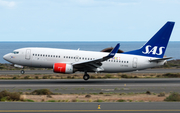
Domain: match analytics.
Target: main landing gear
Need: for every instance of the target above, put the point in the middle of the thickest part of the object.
(22, 71)
(86, 76)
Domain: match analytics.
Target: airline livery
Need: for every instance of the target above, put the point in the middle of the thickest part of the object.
(70, 61)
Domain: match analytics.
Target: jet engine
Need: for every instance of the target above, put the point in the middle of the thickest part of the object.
(63, 68)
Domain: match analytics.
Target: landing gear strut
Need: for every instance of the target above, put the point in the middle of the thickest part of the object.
(86, 76)
(22, 71)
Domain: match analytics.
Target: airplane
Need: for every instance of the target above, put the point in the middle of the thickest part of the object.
(70, 61)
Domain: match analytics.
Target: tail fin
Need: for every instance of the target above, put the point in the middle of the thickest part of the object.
(156, 46)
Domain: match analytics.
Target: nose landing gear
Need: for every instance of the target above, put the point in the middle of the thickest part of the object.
(22, 71)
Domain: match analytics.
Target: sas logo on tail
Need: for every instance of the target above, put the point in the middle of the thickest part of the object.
(153, 50)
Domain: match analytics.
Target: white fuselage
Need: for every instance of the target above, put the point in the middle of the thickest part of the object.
(46, 57)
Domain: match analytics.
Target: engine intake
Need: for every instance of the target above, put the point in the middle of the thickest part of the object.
(63, 68)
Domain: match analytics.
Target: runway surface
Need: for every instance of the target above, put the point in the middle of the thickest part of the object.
(67, 86)
(51, 71)
(124, 107)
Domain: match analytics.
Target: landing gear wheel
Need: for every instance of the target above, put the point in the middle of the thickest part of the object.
(22, 71)
(86, 77)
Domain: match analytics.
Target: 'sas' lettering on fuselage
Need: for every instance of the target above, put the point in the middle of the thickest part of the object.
(153, 50)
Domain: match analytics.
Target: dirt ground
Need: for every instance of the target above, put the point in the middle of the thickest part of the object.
(94, 98)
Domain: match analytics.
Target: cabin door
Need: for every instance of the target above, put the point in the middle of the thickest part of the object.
(28, 54)
(135, 61)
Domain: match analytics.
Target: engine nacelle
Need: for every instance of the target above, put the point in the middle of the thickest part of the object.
(62, 68)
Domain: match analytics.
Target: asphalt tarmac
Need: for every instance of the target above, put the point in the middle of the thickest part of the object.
(51, 71)
(69, 86)
(124, 107)
(92, 86)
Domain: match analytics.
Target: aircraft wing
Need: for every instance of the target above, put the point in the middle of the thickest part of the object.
(95, 65)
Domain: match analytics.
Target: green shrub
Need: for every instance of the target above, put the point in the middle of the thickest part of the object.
(51, 101)
(124, 76)
(87, 96)
(42, 92)
(99, 100)
(75, 100)
(108, 76)
(29, 100)
(121, 100)
(45, 77)
(36, 77)
(5, 95)
(27, 77)
(148, 92)
(162, 94)
(173, 97)
(92, 76)
(14, 77)
(101, 93)
(171, 75)
(68, 77)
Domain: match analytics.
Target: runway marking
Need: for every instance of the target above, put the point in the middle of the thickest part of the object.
(80, 110)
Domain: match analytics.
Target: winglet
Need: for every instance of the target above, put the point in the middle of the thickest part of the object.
(114, 51)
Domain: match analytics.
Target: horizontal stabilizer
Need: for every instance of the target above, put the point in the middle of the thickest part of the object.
(160, 59)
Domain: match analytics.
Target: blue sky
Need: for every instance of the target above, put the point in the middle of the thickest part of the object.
(86, 20)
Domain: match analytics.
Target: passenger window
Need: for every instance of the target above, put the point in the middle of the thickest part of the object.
(59, 56)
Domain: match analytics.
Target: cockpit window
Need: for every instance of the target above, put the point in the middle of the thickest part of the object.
(15, 52)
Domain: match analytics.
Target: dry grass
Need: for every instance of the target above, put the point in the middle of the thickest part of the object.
(94, 98)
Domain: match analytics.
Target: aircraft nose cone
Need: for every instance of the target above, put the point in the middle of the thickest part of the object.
(6, 57)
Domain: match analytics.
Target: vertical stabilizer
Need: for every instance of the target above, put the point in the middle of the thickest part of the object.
(156, 46)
